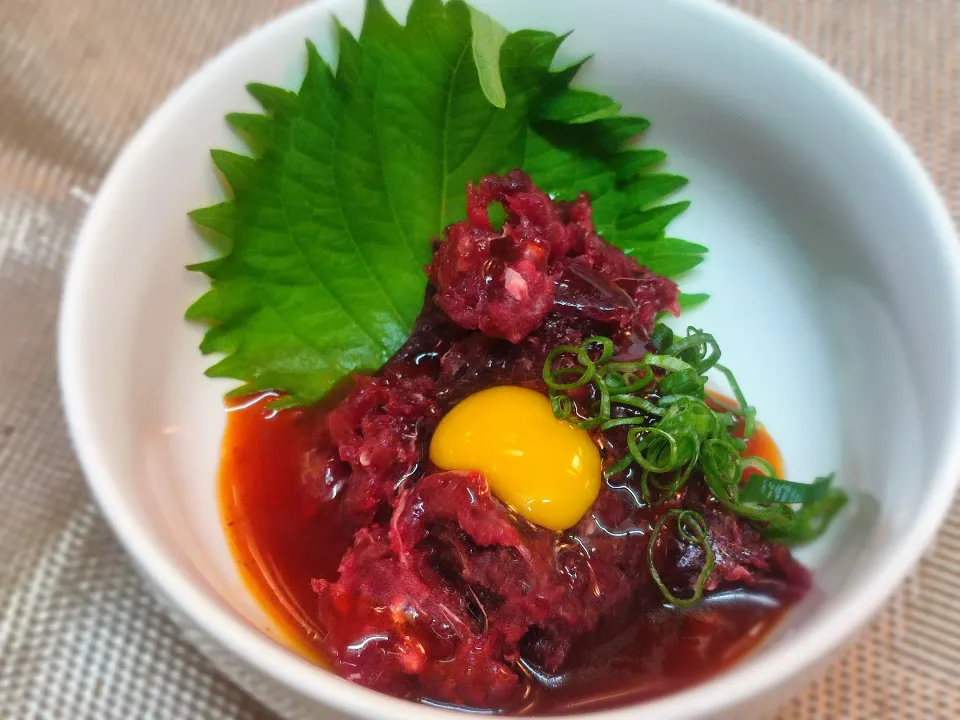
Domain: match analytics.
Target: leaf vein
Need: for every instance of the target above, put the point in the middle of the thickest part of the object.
(295, 240)
(444, 173)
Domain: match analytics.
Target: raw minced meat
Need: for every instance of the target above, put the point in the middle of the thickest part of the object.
(506, 281)
(446, 594)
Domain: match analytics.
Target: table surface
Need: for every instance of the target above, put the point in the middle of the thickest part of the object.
(79, 637)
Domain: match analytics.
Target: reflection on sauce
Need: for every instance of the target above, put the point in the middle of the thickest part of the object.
(282, 539)
(278, 548)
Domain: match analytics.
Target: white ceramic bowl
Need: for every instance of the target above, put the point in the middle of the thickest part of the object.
(833, 268)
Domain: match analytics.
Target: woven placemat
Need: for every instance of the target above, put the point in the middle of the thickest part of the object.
(79, 637)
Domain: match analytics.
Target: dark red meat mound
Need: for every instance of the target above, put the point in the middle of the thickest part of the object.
(404, 630)
(377, 431)
(446, 594)
(456, 579)
(505, 282)
(741, 557)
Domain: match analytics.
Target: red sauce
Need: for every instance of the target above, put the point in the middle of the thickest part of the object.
(279, 549)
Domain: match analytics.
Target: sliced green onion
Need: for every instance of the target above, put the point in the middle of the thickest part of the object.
(747, 412)
(562, 406)
(661, 338)
(601, 386)
(685, 382)
(600, 409)
(721, 459)
(627, 381)
(693, 528)
(700, 346)
(619, 466)
(668, 362)
(618, 422)
(670, 488)
(637, 447)
(727, 496)
(550, 374)
(679, 432)
(671, 399)
(765, 490)
(643, 404)
(605, 354)
(625, 367)
(811, 520)
(758, 463)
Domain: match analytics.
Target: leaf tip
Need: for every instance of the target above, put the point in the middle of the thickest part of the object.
(688, 301)
(341, 30)
(207, 267)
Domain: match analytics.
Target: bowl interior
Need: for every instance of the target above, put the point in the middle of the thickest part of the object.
(829, 267)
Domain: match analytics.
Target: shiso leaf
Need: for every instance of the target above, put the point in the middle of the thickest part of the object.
(688, 301)
(326, 232)
(237, 170)
(669, 256)
(488, 37)
(579, 106)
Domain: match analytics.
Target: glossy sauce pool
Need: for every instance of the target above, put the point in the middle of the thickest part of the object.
(282, 539)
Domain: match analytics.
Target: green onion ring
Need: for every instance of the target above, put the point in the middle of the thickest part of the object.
(605, 354)
(637, 452)
(643, 404)
(550, 374)
(661, 338)
(680, 432)
(693, 528)
(668, 362)
(562, 406)
(745, 411)
(623, 384)
(729, 472)
(619, 466)
(698, 339)
(758, 463)
(617, 422)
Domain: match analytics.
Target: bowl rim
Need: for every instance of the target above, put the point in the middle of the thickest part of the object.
(827, 631)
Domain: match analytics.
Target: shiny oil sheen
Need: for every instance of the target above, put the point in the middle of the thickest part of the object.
(545, 469)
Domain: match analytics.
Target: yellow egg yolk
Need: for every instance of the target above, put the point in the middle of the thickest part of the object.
(546, 469)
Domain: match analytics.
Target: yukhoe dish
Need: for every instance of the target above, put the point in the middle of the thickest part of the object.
(528, 501)
(534, 505)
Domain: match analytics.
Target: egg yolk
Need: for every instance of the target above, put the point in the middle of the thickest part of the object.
(546, 469)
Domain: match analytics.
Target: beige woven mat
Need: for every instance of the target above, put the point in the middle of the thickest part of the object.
(78, 636)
